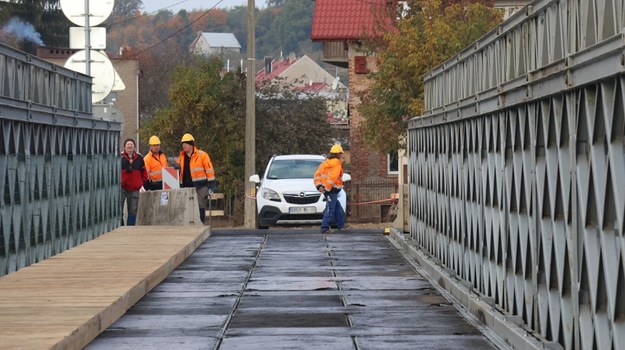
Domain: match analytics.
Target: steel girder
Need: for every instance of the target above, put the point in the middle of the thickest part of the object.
(548, 47)
(59, 166)
(516, 170)
(527, 205)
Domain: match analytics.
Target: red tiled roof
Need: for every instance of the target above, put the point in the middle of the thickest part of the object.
(335, 20)
(277, 67)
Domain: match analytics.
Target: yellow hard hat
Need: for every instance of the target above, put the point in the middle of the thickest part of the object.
(336, 149)
(187, 137)
(154, 140)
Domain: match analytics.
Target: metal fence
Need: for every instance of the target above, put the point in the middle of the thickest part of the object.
(59, 166)
(371, 201)
(516, 171)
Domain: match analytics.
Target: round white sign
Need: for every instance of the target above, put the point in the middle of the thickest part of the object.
(102, 71)
(99, 11)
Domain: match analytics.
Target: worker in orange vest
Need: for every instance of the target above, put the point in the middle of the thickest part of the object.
(328, 180)
(196, 170)
(155, 161)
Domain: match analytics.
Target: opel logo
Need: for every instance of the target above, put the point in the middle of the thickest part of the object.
(301, 194)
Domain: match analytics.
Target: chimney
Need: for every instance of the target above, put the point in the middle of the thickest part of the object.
(292, 57)
(268, 64)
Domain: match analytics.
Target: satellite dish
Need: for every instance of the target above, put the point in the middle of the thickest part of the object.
(99, 10)
(102, 71)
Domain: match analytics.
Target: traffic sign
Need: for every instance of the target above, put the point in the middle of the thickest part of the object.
(99, 11)
(170, 178)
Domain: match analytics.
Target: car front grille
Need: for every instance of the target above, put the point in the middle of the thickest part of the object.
(300, 217)
(305, 199)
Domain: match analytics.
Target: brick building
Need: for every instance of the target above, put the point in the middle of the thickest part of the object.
(341, 26)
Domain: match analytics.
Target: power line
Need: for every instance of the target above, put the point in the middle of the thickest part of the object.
(178, 31)
(149, 13)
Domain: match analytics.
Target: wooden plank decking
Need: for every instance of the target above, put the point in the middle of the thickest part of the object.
(65, 301)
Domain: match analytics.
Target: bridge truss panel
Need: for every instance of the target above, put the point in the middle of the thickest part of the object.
(516, 170)
(549, 43)
(59, 166)
(527, 205)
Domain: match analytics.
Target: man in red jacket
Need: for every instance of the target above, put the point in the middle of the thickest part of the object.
(133, 177)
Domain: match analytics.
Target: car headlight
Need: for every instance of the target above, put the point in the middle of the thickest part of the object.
(270, 195)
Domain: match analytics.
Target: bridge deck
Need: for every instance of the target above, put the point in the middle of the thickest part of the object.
(65, 301)
(293, 289)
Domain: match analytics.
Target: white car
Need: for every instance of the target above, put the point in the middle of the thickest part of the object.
(286, 195)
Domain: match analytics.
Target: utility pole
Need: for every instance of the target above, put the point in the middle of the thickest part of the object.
(87, 40)
(250, 118)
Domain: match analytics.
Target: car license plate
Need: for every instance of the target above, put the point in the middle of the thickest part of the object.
(301, 210)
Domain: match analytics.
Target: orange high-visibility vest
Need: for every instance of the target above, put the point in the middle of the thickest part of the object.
(200, 166)
(154, 164)
(330, 174)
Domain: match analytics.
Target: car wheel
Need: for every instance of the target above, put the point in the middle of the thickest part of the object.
(258, 225)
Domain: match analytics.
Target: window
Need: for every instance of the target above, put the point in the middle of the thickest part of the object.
(293, 169)
(392, 163)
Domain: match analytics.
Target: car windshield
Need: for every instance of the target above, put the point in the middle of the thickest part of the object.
(293, 169)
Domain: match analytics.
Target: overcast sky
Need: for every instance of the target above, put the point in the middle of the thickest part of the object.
(176, 5)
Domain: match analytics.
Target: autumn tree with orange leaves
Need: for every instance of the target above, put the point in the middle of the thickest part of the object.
(430, 32)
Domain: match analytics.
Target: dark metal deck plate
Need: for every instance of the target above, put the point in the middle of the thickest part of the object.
(294, 290)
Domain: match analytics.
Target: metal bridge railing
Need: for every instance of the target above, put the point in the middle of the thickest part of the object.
(59, 166)
(516, 171)
(550, 45)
